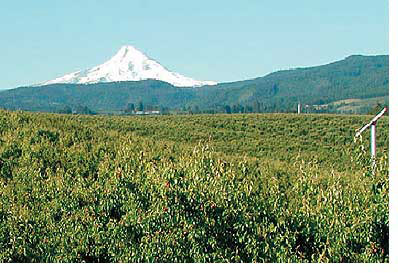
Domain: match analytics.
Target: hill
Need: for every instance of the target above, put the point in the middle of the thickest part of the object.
(355, 77)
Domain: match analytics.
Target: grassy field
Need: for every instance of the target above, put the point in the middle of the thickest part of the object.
(355, 105)
(201, 188)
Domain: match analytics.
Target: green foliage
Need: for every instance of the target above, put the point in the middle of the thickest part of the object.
(225, 188)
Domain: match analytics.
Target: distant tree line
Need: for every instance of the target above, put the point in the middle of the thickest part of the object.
(132, 108)
(79, 109)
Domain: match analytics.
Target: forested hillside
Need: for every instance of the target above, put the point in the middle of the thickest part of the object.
(356, 77)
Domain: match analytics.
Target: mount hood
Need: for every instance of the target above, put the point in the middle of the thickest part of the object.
(129, 64)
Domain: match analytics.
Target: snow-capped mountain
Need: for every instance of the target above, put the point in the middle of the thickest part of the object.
(129, 64)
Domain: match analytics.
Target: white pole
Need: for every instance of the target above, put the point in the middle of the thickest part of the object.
(298, 108)
(372, 125)
(373, 143)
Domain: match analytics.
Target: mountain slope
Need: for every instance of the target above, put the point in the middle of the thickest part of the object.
(356, 77)
(129, 64)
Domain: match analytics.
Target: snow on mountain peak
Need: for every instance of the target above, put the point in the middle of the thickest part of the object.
(129, 64)
(131, 52)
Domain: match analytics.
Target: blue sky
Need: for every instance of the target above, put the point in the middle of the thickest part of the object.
(206, 40)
